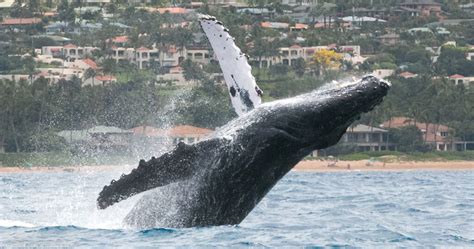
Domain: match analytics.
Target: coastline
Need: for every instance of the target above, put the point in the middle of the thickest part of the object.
(303, 166)
(365, 165)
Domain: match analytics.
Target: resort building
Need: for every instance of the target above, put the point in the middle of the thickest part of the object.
(69, 52)
(367, 138)
(460, 79)
(440, 137)
(423, 8)
(98, 139)
(181, 133)
(289, 55)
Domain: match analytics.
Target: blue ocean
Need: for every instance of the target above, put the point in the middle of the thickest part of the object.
(350, 209)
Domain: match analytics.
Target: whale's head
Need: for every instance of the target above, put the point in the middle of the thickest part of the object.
(318, 119)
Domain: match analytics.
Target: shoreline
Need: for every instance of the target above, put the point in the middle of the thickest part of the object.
(365, 165)
(303, 166)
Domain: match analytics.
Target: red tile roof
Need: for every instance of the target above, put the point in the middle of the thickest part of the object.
(187, 130)
(50, 13)
(91, 63)
(20, 21)
(105, 78)
(301, 26)
(407, 75)
(456, 76)
(429, 129)
(70, 46)
(148, 131)
(176, 69)
(172, 10)
(275, 25)
(295, 46)
(120, 39)
(143, 49)
(177, 131)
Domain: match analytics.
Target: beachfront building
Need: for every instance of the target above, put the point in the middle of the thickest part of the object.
(440, 137)
(149, 140)
(181, 133)
(98, 139)
(367, 138)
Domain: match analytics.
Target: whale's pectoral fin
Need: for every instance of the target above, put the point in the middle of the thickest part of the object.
(176, 165)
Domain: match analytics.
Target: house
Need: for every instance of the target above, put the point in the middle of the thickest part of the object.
(181, 133)
(289, 55)
(5, 4)
(367, 138)
(370, 12)
(19, 22)
(97, 3)
(173, 10)
(359, 20)
(56, 38)
(56, 74)
(414, 31)
(299, 27)
(437, 135)
(119, 41)
(407, 75)
(460, 79)
(144, 56)
(389, 39)
(86, 64)
(186, 133)
(98, 139)
(69, 52)
(470, 54)
(199, 55)
(275, 25)
(175, 76)
(423, 8)
(383, 73)
(99, 80)
(263, 12)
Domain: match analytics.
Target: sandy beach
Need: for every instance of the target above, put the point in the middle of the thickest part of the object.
(365, 165)
(303, 166)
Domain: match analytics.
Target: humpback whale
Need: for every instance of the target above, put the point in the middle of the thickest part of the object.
(220, 180)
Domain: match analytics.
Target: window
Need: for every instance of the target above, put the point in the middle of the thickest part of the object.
(198, 56)
(444, 133)
(294, 52)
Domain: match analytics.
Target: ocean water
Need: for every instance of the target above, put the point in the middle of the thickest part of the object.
(351, 209)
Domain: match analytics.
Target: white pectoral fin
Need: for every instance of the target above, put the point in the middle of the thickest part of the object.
(243, 90)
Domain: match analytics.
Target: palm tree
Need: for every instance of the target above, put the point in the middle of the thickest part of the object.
(90, 73)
